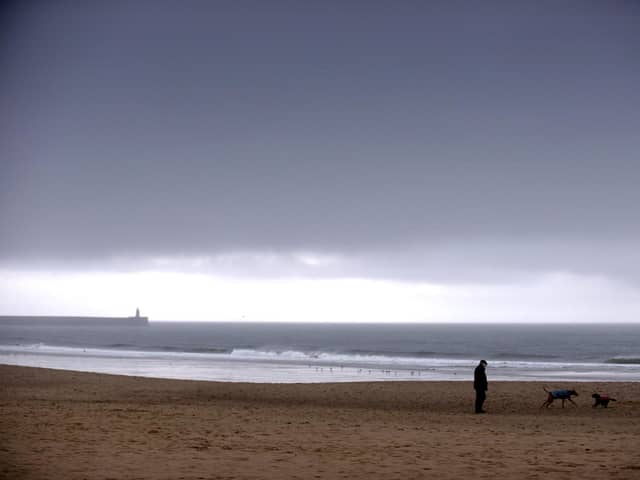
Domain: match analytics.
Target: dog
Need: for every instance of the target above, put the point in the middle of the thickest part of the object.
(559, 395)
(602, 400)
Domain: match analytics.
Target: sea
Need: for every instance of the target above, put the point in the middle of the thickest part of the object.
(327, 353)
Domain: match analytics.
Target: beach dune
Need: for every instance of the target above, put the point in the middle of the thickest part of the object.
(61, 424)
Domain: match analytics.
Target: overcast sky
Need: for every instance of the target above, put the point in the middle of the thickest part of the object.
(473, 148)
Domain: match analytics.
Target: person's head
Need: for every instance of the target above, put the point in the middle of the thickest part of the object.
(483, 363)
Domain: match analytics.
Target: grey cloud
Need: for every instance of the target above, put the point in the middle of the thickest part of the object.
(158, 130)
(497, 261)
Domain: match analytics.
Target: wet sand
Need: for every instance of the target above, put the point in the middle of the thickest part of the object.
(60, 424)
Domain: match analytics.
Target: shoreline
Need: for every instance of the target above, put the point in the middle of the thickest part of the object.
(65, 424)
(303, 353)
(242, 369)
(385, 379)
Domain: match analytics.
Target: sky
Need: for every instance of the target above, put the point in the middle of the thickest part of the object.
(321, 161)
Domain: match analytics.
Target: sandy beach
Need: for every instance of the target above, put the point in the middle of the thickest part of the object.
(61, 424)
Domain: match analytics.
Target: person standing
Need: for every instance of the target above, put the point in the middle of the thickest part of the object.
(480, 385)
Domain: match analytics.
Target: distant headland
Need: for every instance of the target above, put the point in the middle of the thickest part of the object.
(134, 321)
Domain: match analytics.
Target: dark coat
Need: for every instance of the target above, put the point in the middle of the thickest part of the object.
(480, 379)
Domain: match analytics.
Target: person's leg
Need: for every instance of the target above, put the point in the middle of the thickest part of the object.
(480, 397)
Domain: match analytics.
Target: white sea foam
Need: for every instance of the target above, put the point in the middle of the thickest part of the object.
(250, 365)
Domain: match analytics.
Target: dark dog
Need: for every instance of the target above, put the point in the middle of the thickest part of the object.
(602, 400)
(559, 395)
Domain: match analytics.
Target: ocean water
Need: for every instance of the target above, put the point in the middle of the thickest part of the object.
(305, 353)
